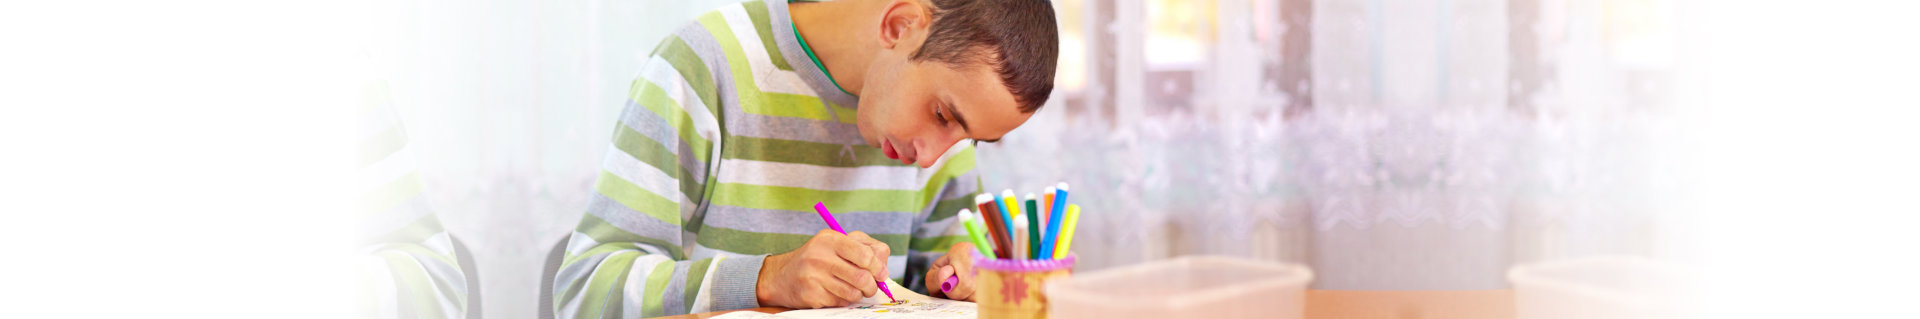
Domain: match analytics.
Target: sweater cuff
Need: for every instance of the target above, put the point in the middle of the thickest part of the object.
(735, 284)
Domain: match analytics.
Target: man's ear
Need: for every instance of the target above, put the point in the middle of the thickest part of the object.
(903, 20)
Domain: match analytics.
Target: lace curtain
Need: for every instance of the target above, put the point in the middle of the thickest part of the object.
(1415, 145)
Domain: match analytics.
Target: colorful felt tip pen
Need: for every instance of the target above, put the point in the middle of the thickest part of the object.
(1007, 212)
(1019, 239)
(1053, 222)
(992, 224)
(1012, 203)
(1066, 235)
(974, 233)
(828, 216)
(1046, 200)
(1046, 203)
(1033, 230)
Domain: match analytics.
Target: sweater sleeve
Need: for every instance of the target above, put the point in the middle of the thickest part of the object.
(627, 258)
(408, 265)
(950, 189)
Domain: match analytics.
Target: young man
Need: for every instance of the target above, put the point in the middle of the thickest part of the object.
(742, 120)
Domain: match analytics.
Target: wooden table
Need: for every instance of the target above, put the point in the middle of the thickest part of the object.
(1362, 304)
(717, 313)
(1427, 304)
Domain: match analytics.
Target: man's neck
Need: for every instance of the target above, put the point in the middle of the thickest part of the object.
(839, 41)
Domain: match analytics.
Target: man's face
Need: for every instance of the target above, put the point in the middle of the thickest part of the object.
(915, 110)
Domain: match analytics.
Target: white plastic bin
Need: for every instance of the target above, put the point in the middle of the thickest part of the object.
(1189, 287)
(1598, 288)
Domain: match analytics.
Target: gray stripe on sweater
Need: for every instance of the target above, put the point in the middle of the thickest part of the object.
(674, 297)
(643, 121)
(703, 44)
(629, 220)
(798, 129)
(780, 221)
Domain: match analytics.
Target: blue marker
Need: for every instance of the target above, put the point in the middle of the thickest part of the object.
(1053, 220)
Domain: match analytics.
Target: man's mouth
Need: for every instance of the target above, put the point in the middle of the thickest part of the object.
(886, 146)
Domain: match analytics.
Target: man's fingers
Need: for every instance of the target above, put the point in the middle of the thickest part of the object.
(843, 246)
(839, 269)
(815, 296)
(840, 291)
(963, 290)
(962, 262)
(859, 279)
(877, 253)
(938, 278)
(879, 264)
(880, 248)
(942, 261)
(852, 251)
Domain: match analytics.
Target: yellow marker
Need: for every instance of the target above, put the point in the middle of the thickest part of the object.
(1013, 203)
(1066, 231)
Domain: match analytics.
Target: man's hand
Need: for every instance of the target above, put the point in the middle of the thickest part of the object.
(830, 270)
(958, 261)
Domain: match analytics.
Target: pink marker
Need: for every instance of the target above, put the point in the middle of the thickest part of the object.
(947, 287)
(822, 208)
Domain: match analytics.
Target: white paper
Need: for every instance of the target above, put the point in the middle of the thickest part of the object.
(910, 305)
(746, 314)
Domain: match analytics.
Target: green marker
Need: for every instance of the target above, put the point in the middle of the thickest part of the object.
(1033, 231)
(974, 232)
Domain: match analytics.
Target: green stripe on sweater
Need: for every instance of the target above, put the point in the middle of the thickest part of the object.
(638, 199)
(757, 243)
(656, 287)
(802, 199)
(605, 284)
(656, 99)
(757, 11)
(688, 63)
(804, 152)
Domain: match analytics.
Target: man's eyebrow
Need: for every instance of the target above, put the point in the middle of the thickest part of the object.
(962, 119)
(957, 117)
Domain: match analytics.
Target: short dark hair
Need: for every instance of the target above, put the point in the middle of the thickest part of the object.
(1018, 38)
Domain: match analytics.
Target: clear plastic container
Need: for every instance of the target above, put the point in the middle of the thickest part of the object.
(1598, 288)
(1188, 287)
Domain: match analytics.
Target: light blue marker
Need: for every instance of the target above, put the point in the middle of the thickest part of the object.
(1053, 220)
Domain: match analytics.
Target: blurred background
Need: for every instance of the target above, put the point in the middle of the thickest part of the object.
(1389, 144)
(194, 157)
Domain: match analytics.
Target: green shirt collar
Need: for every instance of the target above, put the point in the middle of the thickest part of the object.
(816, 61)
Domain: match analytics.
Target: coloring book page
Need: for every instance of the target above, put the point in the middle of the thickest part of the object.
(909, 305)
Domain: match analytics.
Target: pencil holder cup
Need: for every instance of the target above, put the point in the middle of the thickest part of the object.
(1012, 288)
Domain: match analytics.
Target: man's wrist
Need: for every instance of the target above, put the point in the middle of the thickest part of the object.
(764, 292)
(735, 285)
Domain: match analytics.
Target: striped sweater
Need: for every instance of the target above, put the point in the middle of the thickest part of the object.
(408, 263)
(731, 132)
